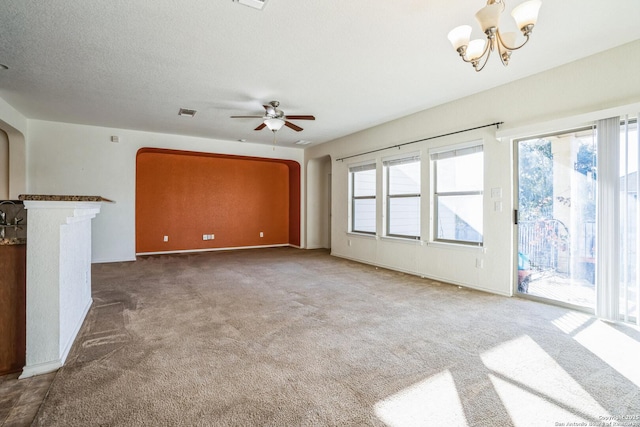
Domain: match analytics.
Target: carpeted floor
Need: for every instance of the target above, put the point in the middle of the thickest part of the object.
(288, 337)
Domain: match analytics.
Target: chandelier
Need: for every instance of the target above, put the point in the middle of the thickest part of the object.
(477, 51)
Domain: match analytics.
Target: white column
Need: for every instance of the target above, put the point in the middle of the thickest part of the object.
(58, 279)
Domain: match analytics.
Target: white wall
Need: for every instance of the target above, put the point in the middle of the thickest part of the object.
(77, 159)
(4, 165)
(606, 80)
(318, 202)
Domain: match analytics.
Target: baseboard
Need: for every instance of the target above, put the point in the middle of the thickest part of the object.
(316, 247)
(431, 277)
(233, 248)
(109, 260)
(40, 368)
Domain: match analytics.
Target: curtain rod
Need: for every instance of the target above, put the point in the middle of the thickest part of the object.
(496, 124)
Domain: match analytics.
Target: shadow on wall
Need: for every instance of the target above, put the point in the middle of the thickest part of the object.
(195, 201)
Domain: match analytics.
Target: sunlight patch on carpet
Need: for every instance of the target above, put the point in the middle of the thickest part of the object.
(526, 409)
(614, 347)
(571, 321)
(434, 401)
(533, 386)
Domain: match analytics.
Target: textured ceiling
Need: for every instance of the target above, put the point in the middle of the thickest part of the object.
(352, 64)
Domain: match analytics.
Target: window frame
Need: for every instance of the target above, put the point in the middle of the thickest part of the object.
(353, 198)
(445, 153)
(388, 164)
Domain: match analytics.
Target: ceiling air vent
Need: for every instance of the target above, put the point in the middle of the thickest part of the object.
(256, 4)
(187, 112)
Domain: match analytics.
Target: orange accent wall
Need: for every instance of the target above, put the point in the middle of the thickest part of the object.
(183, 195)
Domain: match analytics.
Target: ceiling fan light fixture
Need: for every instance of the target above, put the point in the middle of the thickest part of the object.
(274, 124)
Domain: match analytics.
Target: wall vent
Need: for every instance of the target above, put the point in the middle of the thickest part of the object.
(256, 4)
(187, 112)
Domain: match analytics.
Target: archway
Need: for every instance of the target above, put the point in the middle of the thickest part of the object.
(13, 162)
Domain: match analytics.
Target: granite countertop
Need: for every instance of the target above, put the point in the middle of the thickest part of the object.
(62, 198)
(17, 234)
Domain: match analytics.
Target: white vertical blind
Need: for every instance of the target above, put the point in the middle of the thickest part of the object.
(630, 280)
(638, 222)
(624, 142)
(608, 219)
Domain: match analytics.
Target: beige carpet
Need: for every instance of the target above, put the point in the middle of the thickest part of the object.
(288, 337)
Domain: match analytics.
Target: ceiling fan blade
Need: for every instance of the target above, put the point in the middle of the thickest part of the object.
(300, 117)
(246, 117)
(262, 126)
(292, 126)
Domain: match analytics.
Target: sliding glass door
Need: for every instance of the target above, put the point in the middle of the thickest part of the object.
(557, 217)
(573, 204)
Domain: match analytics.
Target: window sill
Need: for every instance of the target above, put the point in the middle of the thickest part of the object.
(457, 247)
(363, 235)
(406, 240)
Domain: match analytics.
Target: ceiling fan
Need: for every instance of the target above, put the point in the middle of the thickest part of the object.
(274, 118)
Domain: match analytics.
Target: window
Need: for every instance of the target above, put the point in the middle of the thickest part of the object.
(403, 197)
(363, 198)
(458, 194)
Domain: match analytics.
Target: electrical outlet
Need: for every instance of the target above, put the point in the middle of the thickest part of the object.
(479, 263)
(261, 234)
(349, 242)
(166, 238)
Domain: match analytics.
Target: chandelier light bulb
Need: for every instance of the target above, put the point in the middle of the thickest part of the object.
(526, 13)
(460, 36)
(489, 16)
(475, 49)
